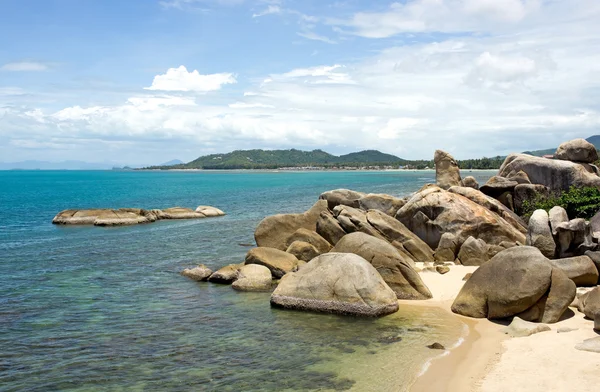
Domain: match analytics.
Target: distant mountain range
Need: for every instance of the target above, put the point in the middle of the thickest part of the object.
(595, 140)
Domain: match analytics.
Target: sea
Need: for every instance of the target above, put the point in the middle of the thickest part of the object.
(106, 309)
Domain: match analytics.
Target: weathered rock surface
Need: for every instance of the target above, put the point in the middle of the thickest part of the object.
(209, 211)
(595, 256)
(447, 173)
(473, 252)
(303, 250)
(313, 238)
(442, 269)
(354, 220)
(384, 203)
(253, 277)
(555, 174)
(336, 283)
(469, 182)
(562, 293)
(521, 177)
(521, 328)
(433, 211)
(498, 185)
(277, 261)
(329, 228)
(274, 231)
(539, 233)
(589, 303)
(344, 197)
(396, 271)
(180, 213)
(226, 275)
(104, 217)
(574, 238)
(592, 345)
(580, 269)
(577, 150)
(557, 215)
(447, 249)
(510, 283)
(527, 193)
(199, 273)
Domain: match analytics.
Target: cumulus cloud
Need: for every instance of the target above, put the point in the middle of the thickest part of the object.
(179, 79)
(24, 66)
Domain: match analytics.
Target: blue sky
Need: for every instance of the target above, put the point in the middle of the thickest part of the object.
(146, 81)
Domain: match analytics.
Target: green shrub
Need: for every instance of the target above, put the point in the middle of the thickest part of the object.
(578, 202)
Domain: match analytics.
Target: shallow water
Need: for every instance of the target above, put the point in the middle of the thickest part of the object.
(87, 308)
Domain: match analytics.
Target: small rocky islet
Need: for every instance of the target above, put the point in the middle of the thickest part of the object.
(355, 254)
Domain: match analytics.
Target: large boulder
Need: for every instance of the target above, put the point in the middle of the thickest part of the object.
(540, 235)
(432, 212)
(344, 197)
(577, 150)
(447, 172)
(253, 277)
(511, 283)
(525, 194)
(555, 174)
(313, 238)
(396, 271)
(303, 250)
(473, 252)
(396, 233)
(226, 275)
(199, 273)
(498, 185)
(381, 202)
(277, 261)
(354, 220)
(574, 238)
(589, 303)
(557, 216)
(274, 231)
(336, 283)
(104, 217)
(595, 256)
(469, 182)
(447, 249)
(329, 228)
(581, 270)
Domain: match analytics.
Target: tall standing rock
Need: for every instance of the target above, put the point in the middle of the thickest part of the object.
(539, 234)
(447, 173)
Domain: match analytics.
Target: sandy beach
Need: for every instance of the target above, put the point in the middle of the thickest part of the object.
(490, 361)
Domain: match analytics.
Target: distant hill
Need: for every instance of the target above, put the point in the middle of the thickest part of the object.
(173, 162)
(273, 159)
(595, 140)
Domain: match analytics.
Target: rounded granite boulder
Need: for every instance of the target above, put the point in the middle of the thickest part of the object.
(341, 283)
(253, 277)
(199, 273)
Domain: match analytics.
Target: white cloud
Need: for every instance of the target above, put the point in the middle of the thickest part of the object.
(316, 37)
(24, 66)
(179, 79)
(271, 9)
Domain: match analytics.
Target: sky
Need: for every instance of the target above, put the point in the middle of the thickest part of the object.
(147, 81)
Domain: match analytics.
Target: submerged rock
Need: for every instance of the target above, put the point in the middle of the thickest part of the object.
(104, 217)
(336, 283)
(209, 211)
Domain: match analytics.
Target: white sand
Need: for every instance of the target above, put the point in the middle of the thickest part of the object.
(490, 361)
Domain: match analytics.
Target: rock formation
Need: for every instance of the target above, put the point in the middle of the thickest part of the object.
(447, 173)
(277, 261)
(199, 273)
(253, 277)
(577, 150)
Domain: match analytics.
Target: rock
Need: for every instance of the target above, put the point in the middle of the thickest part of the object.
(432, 212)
(580, 269)
(521, 177)
(522, 328)
(528, 193)
(274, 231)
(387, 204)
(442, 269)
(493, 205)
(209, 211)
(354, 220)
(473, 252)
(436, 346)
(511, 282)
(336, 283)
(507, 199)
(313, 238)
(199, 273)
(277, 261)
(303, 250)
(557, 215)
(395, 270)
(574, 238)
(539, 234)
(393, 230)
(591, 345)
(577, 150)
(447, 173)
(329, 228)
(181, 213)
(469, 182)
(498, 185)
(253, 277)
(562, 293)
(344, 197)
(566, 329)
(595, 256)
(589, 303)
(104, 217)
(555, 174)
(467, 276)
(597, 322)
(226, 275)
(595, 224)
(447, 249)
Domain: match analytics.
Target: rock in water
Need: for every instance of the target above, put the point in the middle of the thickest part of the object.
(105, 217)
(253, 277)
(436, 346)
(577, 150)
(274, 231)
(226, 275)
(180, 213)
(396, 271)
(447, 173)
(277, 261)
(209, 211)
(303, 250)
(591, 345)
(540, 235)
(336, 283)
(522, 328)
(199, 273)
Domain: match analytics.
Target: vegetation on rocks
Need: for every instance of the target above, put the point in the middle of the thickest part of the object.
(578, 202)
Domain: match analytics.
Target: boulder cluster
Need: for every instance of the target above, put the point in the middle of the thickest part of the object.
(355, 253)
(131, 216)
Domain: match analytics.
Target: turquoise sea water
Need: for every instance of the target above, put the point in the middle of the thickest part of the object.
(88, 308)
